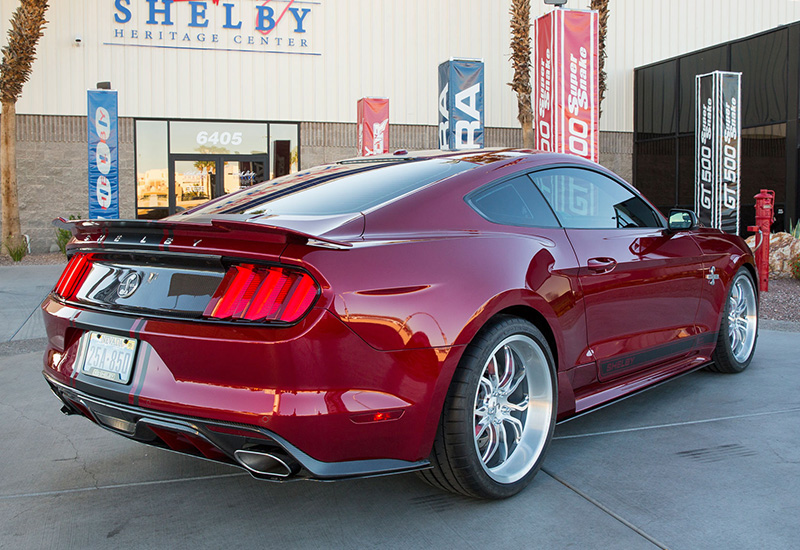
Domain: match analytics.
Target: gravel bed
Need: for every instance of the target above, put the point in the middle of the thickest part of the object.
(35, 259)
(780, 303)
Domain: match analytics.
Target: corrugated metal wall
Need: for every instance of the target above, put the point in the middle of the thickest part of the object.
(644, 31)
(367, 47)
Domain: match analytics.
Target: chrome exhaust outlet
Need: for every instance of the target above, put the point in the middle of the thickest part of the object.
(263, 463)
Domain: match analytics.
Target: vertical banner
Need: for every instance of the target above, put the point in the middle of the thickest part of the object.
(373, 126)
(566, 81)
(103, 154)
(460, 104)
(717, 150)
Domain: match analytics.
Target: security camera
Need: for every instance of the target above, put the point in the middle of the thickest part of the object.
(78, 39)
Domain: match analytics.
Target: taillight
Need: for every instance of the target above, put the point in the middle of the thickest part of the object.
(70, 281)
(262, 293)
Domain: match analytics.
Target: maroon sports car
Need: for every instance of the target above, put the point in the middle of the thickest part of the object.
(434, 312)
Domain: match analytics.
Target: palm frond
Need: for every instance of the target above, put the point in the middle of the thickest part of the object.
(27, 26)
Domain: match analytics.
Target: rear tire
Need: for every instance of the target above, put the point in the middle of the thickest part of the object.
(738, 328)
(499, 413)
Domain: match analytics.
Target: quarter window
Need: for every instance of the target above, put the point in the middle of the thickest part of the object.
(582, 199)
(513, 202)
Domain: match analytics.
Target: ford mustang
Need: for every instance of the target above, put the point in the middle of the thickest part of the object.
(435, 312)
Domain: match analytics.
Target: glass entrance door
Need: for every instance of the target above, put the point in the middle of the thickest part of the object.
(196, 179)
(194, 182)
(242, 173)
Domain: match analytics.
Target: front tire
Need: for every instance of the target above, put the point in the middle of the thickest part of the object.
(738, 330)
(499, 413)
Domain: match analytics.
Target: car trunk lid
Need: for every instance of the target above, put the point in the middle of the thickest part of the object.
(178, 269)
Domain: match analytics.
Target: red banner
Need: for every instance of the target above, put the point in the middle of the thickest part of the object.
(373, 126)
(565, 83)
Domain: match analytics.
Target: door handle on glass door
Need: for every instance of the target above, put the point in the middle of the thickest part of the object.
(601, 265)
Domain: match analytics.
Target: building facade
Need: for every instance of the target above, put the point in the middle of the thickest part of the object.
(664, 129)
(216, 94)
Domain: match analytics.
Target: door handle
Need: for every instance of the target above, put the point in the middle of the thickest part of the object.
(601, 265)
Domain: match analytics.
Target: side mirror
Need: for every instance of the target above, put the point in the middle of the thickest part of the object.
(681, 220)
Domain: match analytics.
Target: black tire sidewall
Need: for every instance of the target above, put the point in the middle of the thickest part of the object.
(723, 354)
(462, 415)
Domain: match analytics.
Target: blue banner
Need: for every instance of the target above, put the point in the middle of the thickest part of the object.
(460, 104)
(103, 154)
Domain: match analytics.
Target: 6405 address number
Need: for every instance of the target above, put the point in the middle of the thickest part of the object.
(219, 138)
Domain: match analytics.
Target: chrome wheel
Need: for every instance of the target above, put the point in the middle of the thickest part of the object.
(742, 318)
(513, 409)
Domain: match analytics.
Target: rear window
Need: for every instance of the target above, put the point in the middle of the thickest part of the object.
(340, 189)
(513, 202)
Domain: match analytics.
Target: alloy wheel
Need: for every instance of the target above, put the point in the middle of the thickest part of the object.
(513, 409)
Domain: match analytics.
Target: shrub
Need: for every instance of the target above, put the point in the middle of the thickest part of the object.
(63, 236)
(17, 252)
(796, 268)
(794, 231)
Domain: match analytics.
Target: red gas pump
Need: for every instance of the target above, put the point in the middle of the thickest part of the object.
(765, 204)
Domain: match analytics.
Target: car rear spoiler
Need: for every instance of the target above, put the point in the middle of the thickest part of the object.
(161, 233)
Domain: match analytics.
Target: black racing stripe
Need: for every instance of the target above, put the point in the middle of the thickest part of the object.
(622, 364)
(136, 328)
(142, 374)
(102, 322)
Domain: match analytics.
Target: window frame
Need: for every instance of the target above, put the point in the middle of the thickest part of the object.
(610, 176)
(470, 197)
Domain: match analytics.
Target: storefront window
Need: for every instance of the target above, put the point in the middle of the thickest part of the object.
(182, 164)
(152, 187)
(218, 138)
(283, 146)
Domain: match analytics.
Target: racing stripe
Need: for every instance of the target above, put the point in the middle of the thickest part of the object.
(138, 366)
(143, 369)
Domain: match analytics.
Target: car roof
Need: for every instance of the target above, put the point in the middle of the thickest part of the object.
(348, 178)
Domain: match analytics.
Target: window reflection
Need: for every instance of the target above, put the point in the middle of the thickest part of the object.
(241, 174)
(194, 182)
(152, 186)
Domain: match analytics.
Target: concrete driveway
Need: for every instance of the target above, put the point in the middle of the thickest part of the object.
(706, 461)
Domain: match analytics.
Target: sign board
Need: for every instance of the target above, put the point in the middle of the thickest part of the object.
(103, 154)
(373, 126)
(461, 118)
(717, 150)
(565, 88)
(272, 26)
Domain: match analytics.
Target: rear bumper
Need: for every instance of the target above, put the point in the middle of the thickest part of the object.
(315, 389)
(264, 454)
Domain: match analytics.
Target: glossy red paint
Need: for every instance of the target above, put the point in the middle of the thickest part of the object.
(404, 288)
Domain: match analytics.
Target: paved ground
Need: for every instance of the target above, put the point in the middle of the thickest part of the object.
(22, 289)
(707, 461)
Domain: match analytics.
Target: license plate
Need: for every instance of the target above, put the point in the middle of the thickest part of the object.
(109, 357)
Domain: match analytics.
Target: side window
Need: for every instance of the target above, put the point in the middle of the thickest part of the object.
(583, 199)
(513, 202)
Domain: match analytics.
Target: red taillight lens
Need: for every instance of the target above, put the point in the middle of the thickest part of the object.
(70, 281)
(262, 293)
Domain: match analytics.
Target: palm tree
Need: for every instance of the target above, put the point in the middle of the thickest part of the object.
(602, 9)
(520, 12)
(27, 25)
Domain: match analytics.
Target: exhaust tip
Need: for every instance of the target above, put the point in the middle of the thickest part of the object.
(263, 463)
